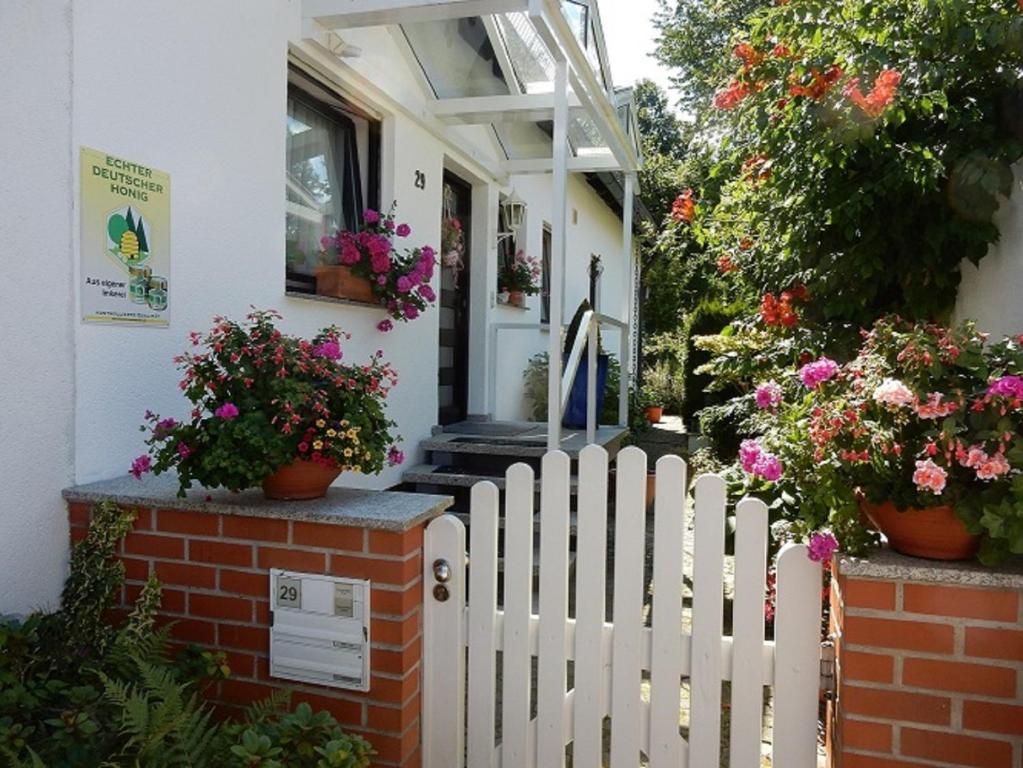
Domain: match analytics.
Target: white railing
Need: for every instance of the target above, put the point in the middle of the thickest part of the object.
(613, 662)
(586, 339)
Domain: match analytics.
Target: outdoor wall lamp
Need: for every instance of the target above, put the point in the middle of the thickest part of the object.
(513, 211)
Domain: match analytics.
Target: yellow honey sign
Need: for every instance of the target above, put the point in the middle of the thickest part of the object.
(125, 241)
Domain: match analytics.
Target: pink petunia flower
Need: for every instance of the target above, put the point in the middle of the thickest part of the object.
(385, 326)
(768, 395)
(395, 456)
(404, 230)
(371, 216)
(1007, 386)
(140, 466)
(330, 349)
(183, 450)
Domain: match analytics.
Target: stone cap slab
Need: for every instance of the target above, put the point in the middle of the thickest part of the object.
(885, 563)
(379, 510)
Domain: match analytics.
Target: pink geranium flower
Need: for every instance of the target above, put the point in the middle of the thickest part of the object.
(1007, 386)
(893, 393)
(930, 477)
(816, 373)
(768, 395)
(140, 466)
(993, 467)
(822, 547)
(227, 412)
(330, 349)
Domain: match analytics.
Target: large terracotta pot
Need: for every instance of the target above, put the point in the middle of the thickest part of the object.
(340, 283)
(300, 481)
(654, 414)
(934, 533)
(517, 298)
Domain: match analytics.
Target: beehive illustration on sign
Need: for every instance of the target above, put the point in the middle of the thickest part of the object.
(127, 238)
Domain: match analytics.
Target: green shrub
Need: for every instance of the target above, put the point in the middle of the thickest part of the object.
(77, 691)
(710, 317)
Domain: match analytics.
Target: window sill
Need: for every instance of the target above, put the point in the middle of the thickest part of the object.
(331, 300)
(508, 305)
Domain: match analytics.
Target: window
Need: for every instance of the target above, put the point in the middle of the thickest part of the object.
(331, 175)
(545, 286)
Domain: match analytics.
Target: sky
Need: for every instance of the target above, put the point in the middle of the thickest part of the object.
(629, 33)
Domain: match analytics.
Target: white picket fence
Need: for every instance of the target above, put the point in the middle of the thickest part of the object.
(611, 660)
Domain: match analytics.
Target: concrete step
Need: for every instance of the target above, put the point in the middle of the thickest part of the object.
(516, 439)
(455, 477)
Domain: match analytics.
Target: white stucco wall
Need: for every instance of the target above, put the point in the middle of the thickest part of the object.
(198, 89)
(38, 359)
(992, 293)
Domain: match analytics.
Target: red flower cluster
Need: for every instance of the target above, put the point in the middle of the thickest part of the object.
(749, 56)
(779, 312)
(732, 96)
(820, 83)
(684, 207)
(726, 265)
(880, 97)
(757, 168)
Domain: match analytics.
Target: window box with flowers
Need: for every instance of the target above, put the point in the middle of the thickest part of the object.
(519, 278)
(919, 437)
(366, 266)
(275, 411)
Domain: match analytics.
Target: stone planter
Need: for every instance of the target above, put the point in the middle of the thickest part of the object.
(340, 283)
(300, 481)
(934, 533)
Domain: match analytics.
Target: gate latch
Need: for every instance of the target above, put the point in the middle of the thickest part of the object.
(828, 668)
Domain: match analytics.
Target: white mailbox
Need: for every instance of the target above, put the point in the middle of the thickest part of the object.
(319, 629)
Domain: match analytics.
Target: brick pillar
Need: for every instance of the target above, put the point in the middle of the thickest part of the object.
(930, 665)
(216, 591)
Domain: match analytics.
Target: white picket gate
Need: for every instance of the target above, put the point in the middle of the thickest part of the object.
(611, 660)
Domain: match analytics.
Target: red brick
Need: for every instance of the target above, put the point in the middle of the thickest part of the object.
(993, 717)
(859, 734)
(143, 520)
(78, 534)
(292, 559)
(887, 704)
(394, 691)
(79, 513)
(397, 632)
(169, 547)
(942, 675)
(242, 583)
(217, 607)
(960, 602)
(853, 760)
(994, 643)
(135, 570)
(396, 662)
(401, 544)
(345, 711)
(194, 631)
(182, 521)
(262, 613)
(220, 552)
(873, 667)
(396, 718)
(385, 571)
(241, 664)
(956, 748)
(327, 536)
(396, 602)
(258, 528)
(186, 574)
(242, 636)
(865, 593)
(244, 692)
(394, 749)
(891, 633)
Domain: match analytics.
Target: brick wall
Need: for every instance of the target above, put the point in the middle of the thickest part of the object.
(216, 592)
(930, 674)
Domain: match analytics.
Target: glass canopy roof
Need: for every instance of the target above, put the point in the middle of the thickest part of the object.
(505, 55)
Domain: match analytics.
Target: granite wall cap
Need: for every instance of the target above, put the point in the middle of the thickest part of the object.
(885, 563)
(379, 510)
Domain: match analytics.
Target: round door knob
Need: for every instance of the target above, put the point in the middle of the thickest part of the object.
(442, 571)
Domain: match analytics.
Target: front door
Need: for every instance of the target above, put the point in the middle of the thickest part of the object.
(453, 377)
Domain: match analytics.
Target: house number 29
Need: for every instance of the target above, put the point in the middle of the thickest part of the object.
(420, 180)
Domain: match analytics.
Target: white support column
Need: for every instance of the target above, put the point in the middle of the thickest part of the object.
(559, 226)
(627, 299)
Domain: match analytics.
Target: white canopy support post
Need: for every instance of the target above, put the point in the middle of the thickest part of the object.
(591, 380)
(628, 204)
(559, 224)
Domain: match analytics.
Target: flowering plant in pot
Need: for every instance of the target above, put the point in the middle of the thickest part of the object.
(921, 434)
(273, 410)
(520, 278)
(400, 280)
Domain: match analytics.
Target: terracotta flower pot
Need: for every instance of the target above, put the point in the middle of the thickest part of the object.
(934, 533)
(340, 283)
(654, 413)
(299, 481)
(517, 298)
